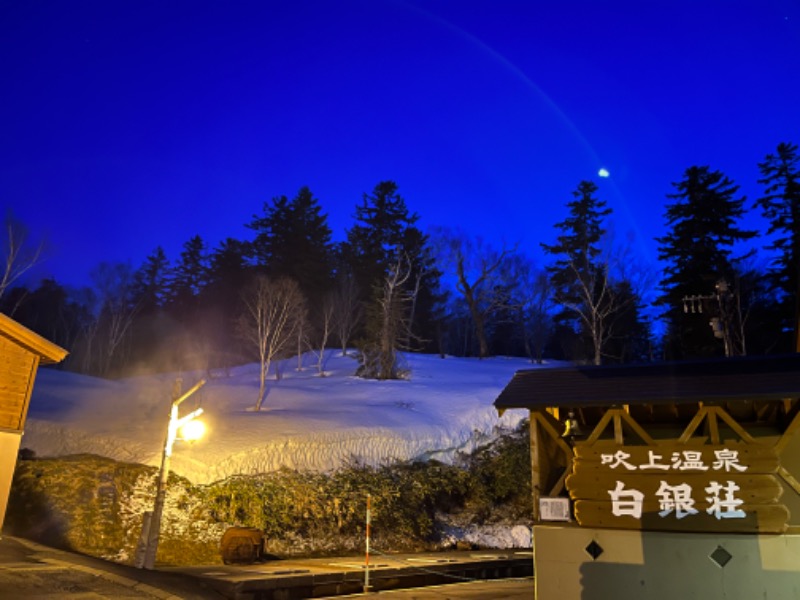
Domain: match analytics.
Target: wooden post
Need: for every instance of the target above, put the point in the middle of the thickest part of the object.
(536, 467)
(367, 587)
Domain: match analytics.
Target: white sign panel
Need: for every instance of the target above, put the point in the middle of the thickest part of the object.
(554, 509)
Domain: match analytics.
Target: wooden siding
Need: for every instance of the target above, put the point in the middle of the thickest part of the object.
(23, 337)
(599, 471)
(17, 371)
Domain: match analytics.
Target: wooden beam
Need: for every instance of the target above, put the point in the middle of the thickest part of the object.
(788, 433)
(618, 437)
(536, 472)
(599, 428)
(713, 426)
(559, 485)
(761, 412)
(761, 518)
(789, 479)
(638, 430)
(693, 425)
(565, 448)
(551, 431)
(731, 422)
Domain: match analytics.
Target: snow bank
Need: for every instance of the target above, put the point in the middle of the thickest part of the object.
(307, 422)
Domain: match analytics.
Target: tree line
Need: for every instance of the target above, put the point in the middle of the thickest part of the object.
(389, 287)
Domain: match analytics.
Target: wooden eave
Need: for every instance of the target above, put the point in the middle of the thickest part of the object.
(709, 381)
(48, 352)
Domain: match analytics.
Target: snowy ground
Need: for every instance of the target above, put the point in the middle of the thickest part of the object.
(307, 422)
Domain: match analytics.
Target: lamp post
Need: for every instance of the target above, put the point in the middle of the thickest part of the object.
(151, 526)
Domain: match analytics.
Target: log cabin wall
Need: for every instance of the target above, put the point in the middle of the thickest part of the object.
(21, 353)
(18, 367)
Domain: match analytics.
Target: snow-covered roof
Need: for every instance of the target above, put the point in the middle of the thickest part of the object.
(717, 380)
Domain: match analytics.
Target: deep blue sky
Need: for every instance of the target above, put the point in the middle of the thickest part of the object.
(128, 125)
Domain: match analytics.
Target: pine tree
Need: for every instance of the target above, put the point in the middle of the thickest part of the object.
(383, 242)
(578, 246)
(151, 282)
(781, 206)
(152, 328)
(697, 252)
(631, 341)
(375, 242)
(189, 277)
(293, 240)
(580, 280)
(50, 310)
(228, 274)
(228, 269)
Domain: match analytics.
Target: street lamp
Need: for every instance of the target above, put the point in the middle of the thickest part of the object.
(189, 429)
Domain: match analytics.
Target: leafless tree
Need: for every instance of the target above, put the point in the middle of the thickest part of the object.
(413, 309)
(114, 285)
(328, 312)
(477, 269)
(84, 352)
(597, 303)
(18, 254)
(272, 315)
(533, 306)
(347, 310)
(379, 360)
(302, 334)
(601, 296)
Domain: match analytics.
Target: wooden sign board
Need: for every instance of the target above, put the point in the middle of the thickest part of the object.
(678, 487)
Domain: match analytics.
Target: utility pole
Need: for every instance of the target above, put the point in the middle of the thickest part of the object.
(725, 321)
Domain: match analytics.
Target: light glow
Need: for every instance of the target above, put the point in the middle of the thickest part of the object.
(193, 430)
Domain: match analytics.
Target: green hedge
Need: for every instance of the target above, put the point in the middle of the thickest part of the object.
(95, 505)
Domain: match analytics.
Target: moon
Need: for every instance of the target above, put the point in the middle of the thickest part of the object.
(603, 173)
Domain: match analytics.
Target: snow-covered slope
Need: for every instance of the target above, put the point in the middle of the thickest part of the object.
(306, 422)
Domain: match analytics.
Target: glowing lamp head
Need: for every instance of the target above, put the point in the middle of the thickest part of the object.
(193, 430)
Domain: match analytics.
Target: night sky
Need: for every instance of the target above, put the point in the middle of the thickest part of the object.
(128, 125)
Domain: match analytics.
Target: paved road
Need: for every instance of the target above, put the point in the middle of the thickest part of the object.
(58, 581)
(31, 571)
(499, 589)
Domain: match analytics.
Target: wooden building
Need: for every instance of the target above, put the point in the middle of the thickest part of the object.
(671, 480)
(21, 353)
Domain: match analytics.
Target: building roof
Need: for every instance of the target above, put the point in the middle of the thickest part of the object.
(48, 352)
(718, 380)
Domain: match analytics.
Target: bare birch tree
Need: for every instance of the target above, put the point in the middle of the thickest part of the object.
(347, 310)
(597, 303)
(603, 290)
(328, 312)
(18, 255)
(272, 314)
(302, 335)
